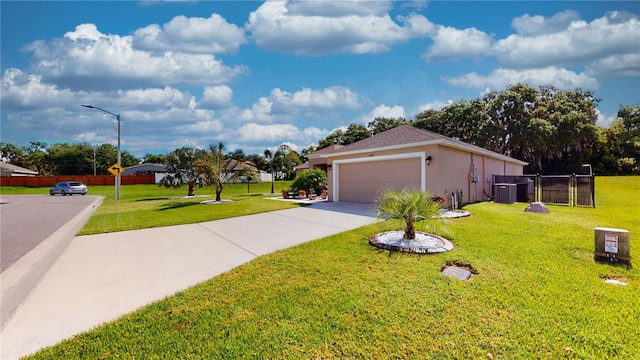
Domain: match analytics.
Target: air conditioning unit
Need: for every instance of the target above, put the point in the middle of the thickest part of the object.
(612, 245)
(505, 193)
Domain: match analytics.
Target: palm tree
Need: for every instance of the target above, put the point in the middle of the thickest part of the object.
(204, 168)
(408, 207)
(275, 161)
(181, 170)
(214, 169)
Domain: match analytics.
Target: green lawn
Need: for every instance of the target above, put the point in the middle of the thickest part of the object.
(537, 294)
(146, 206)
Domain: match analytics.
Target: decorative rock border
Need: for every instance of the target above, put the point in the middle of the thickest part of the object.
(454, 214)
(423, 244)
(209, 202)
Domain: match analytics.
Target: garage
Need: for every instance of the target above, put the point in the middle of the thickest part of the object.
(408, 157)
(361, 180)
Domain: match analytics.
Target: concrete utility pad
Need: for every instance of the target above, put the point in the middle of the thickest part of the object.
(456, 272)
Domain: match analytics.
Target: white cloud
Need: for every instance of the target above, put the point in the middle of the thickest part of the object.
(252, 132)
(154, 98)
(86, 58)
(216, 96)
(24, 91)
(314, 28)
(501, 78)
(192, 35)
(339, 8)
(451, 44)
(327, 98)
(527, 25)
(436, 105)
(615, 65)
(282, 104)
(580, 43)
(603, 120)
(385, 112)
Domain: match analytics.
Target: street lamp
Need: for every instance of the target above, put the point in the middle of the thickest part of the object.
(119, 155)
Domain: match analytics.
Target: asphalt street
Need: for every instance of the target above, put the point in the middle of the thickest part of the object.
(29, 219)
(35, 230)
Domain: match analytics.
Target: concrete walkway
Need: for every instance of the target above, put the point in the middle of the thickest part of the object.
(98, 278)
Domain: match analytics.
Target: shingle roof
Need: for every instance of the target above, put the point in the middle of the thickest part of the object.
(404, 136)
(16, 169)
(400, 135)
(325, 151)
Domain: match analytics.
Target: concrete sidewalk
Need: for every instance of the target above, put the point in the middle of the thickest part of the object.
(101, 277)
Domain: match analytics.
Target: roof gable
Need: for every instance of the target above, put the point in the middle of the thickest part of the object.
(400, 135)
(405, 136)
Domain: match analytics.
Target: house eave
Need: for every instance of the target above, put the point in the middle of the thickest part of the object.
(443, 142)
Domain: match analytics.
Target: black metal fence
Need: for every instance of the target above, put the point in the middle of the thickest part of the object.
(571, 190)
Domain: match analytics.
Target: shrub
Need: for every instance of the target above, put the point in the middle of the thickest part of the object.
(310, 179)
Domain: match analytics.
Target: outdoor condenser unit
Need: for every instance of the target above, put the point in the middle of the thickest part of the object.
(505, 193)
(612, 245)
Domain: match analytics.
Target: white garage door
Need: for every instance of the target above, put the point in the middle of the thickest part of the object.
(361, 182)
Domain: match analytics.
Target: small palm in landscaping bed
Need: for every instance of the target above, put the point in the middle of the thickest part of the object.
(409, 208)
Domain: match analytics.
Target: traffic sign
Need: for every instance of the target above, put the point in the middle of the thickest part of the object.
(115, 169)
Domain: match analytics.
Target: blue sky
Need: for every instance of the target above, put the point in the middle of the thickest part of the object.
(255, 75)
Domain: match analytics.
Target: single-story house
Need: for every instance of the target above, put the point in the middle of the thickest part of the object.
(145, 169)
(7, 169)
(408, 157)
(240, 166)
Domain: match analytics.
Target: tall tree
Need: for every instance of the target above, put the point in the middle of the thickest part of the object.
(274, 160)
(11, 154)
(181, 169)
(381, 124)
(216, 169)
(154, 159)
(36, 157)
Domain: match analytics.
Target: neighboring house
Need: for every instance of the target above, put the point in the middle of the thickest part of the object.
(240, 166)
(160, 170)
(145, 169)
(7, 169)
(408, 157)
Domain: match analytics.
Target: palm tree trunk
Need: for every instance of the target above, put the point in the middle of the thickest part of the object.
(192, 187)
(410, 231)
(218, 192)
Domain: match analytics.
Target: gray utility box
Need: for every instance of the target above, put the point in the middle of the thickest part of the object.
(505, 193)
(612, 245)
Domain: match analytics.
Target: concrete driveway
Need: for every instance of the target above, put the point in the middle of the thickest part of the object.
(101, 277)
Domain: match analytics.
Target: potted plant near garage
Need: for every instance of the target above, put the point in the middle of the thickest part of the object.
(285, 193)
(308, 181)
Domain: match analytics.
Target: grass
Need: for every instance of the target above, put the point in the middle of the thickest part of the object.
(537, 294)
(147, 206)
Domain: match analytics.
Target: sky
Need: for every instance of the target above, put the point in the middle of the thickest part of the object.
(255, 75)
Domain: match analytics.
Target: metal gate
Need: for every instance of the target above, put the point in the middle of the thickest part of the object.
(570, 190)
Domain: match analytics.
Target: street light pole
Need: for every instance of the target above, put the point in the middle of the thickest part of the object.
(119, 154)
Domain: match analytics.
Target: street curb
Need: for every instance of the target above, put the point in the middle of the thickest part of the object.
(21, 278)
